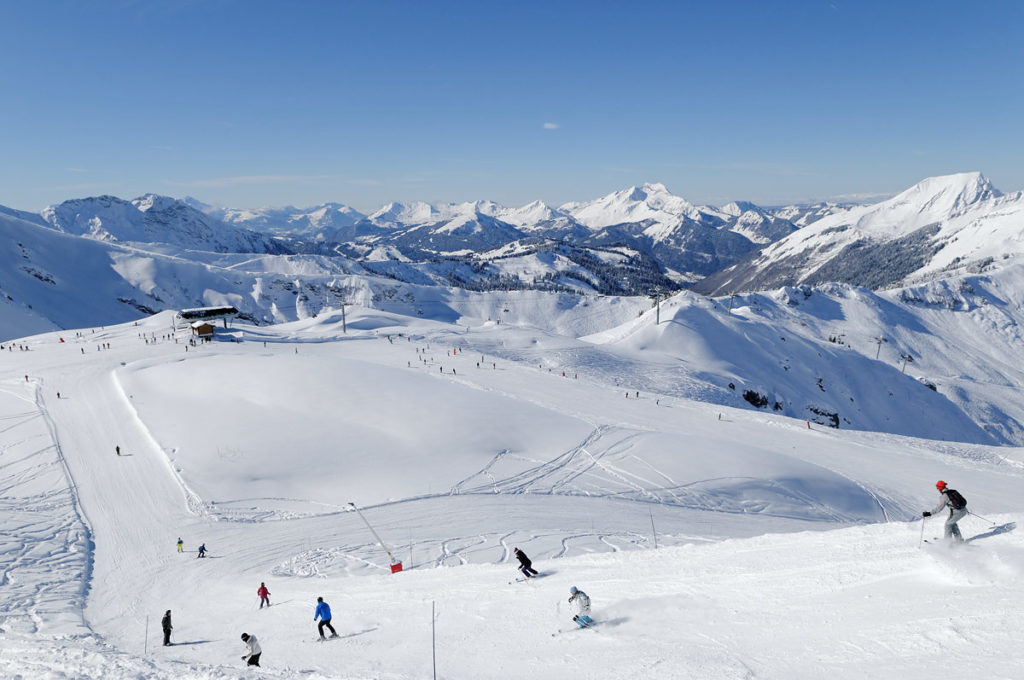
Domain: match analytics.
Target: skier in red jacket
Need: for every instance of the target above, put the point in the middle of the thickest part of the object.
(264, 595)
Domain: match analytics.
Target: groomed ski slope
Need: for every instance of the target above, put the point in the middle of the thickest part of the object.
(782, 550)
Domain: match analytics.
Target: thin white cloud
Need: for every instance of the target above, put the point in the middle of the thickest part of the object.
(862, 197)
(87, 186)
(243, 180)
(772, 169)
(551, 126)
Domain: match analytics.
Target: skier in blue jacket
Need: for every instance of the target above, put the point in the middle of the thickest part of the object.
(323, 612)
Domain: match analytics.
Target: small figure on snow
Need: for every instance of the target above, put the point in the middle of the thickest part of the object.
(181, 546)
(323, 612)
(264, 594)
(957, 505)
(165, 623)
(253, 656)
(118, 449)
(581, 602)
(525, 565)
(202, 550)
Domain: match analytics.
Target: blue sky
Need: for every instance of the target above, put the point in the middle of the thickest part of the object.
(250, 103)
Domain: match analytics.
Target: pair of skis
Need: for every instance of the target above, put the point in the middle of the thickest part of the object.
(590, 623)
(328, 638)
(520, 579)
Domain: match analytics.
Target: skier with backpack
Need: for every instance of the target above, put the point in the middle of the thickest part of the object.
(957, 504)
(525, 564)
(581, 603)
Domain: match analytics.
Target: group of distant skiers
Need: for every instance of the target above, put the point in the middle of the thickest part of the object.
(322, 611)
(579, 600)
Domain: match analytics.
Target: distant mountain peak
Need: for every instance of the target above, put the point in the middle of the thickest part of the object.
(654, 188)
(394, 213)
(950, 192)
(157, 202)
(651, 201)
(737, 208)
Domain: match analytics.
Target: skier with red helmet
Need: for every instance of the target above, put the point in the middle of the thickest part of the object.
(957, 505)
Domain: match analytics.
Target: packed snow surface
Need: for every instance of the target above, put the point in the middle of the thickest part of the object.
(715, 543)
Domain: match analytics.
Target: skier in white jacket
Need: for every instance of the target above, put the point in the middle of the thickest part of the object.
(253, 657)
(581, 603)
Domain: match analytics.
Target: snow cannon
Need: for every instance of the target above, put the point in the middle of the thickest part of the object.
(396, 566)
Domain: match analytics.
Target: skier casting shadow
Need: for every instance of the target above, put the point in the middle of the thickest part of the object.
(957, 505)
(165, 623)
(323, 612)
(525, 565)
(581, 602)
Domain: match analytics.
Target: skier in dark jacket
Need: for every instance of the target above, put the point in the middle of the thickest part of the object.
(525, 565)
(202, 550)
(951, 498)
(323, 612)
(165, 623)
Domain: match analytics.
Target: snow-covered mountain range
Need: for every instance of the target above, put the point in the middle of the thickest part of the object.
(939, 226)
(153, 219)
(640, 240)
(687, 242)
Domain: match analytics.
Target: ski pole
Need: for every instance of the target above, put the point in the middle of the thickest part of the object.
(981, 518)
(921, 541)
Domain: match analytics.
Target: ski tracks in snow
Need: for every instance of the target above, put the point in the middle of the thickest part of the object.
(46, 545)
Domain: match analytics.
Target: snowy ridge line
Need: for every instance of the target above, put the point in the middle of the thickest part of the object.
(193, 501)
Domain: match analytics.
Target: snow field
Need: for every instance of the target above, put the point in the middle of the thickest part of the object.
(755, 574)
